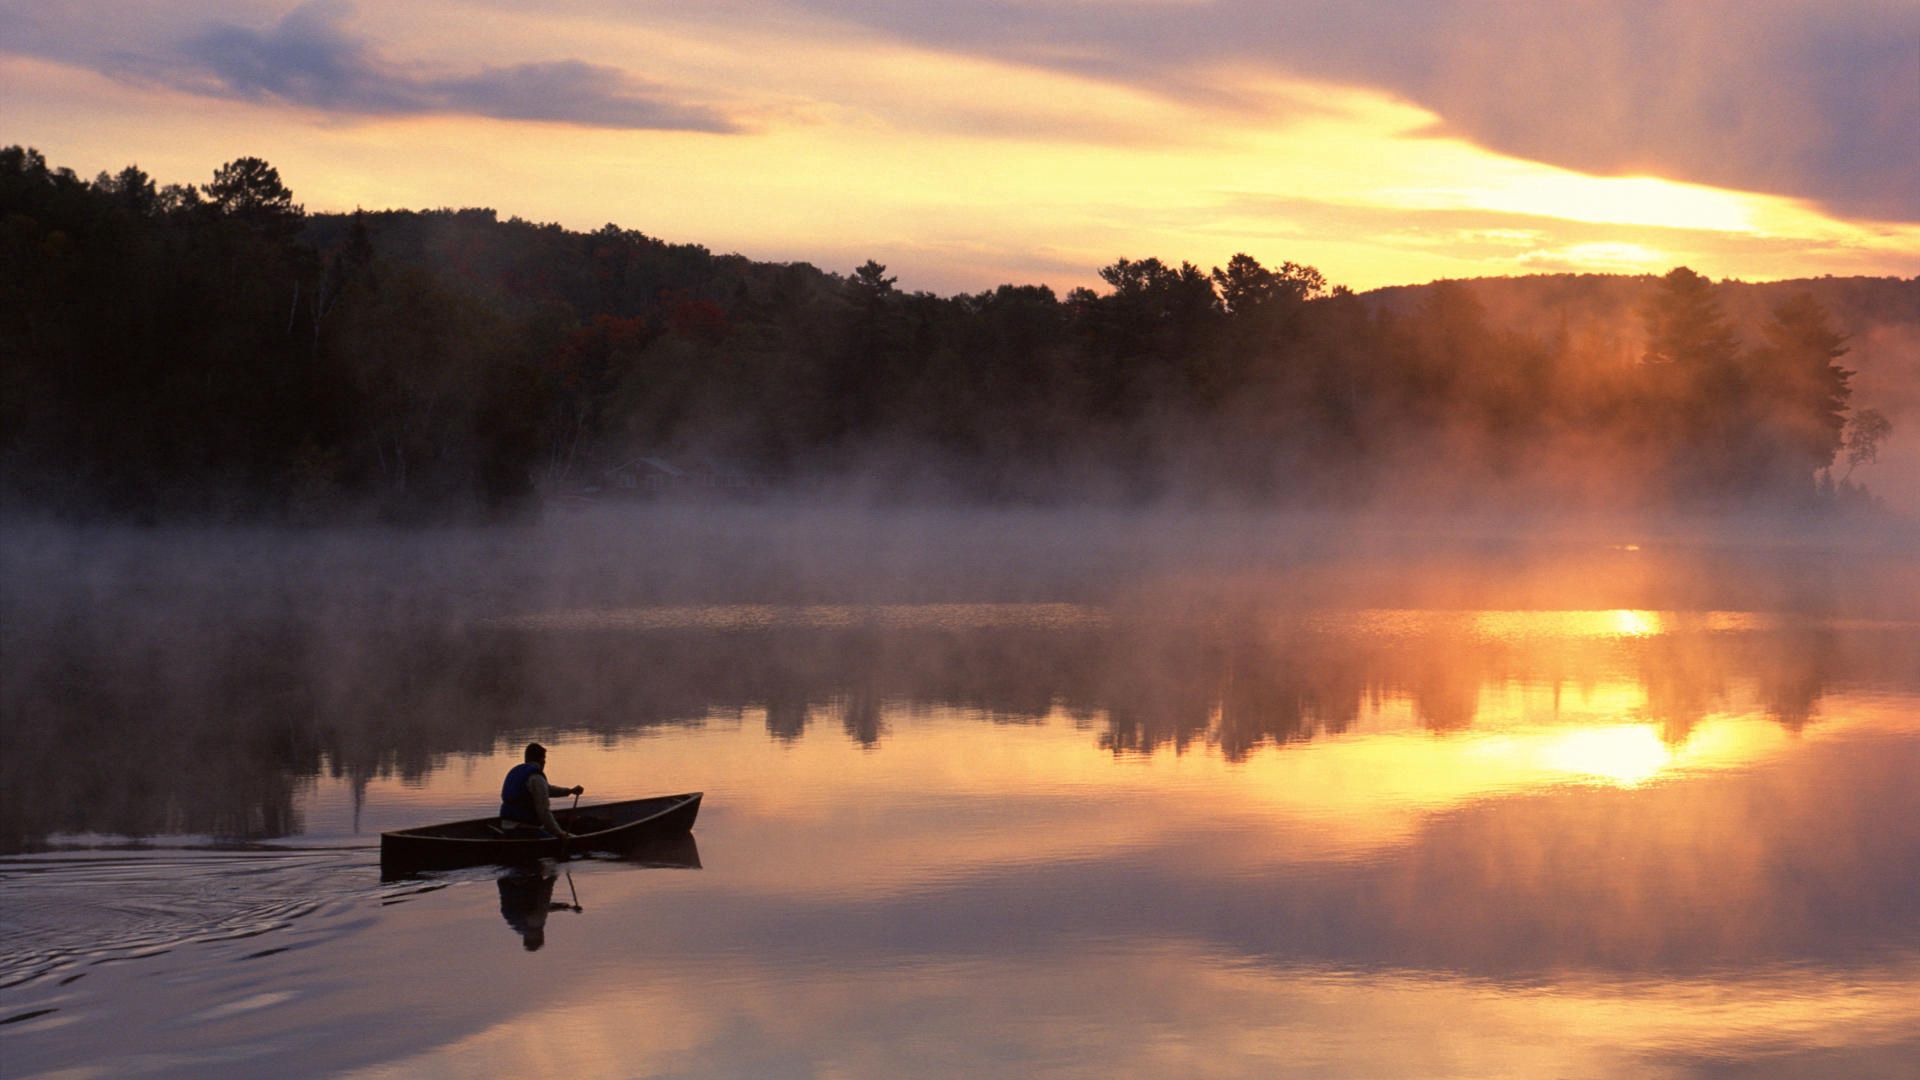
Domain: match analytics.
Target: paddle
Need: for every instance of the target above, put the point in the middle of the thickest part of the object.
(572, 813)
(576, 894)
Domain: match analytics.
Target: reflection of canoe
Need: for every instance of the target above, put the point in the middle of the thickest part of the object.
(616, 827)
(677, 852)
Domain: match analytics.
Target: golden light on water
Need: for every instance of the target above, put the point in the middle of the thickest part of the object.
(1336, 797)
(1523, 625)
(1345, 803)
(1245, 1013)
(1247, 795)
(1213, 838)
(1635, 623)
(1627, 755)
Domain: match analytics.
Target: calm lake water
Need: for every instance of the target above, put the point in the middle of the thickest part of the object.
(995, 797)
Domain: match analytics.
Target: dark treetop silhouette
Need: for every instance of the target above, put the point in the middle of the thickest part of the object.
(218, 352)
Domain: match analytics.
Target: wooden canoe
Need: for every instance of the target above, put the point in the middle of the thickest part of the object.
(619, 827)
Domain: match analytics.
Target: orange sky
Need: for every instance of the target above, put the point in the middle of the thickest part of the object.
(827, 133)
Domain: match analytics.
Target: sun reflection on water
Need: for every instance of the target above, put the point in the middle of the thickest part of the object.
(1617, 623)
(1516, 625)
(1627, 755)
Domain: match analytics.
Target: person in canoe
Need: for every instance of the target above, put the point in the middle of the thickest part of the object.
(526, 797)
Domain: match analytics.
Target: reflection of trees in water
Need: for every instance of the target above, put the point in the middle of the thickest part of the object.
(150, 723)
(1157, 684)
(95, 736)
(1286, 695)
(1794, 674)
(1688, 677)
(860, 717)
(786, 718)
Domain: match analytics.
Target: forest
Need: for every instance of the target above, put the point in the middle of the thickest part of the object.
(213, 351)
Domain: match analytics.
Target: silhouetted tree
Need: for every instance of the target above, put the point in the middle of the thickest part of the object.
(870, 280)
(1865, 432)
(1802, 390)
(164, 352)
(1700, 392)
(249, 190)
(1245, 286)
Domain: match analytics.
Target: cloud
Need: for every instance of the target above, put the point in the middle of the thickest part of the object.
(1815, 99)
(1818, 99)
(311, 59)
(576, 92)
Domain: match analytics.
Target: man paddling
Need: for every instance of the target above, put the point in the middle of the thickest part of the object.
(525, 796)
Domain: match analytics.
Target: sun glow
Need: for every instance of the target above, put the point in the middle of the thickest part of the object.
(858, 148)
(1609, 200)
(1627, 755)
(1602, 256)
(1514, 625)
(1635, 623)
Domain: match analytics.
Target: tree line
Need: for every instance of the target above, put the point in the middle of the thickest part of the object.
(214, 350)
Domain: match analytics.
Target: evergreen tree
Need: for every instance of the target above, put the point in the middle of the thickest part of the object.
(1803, 387)
(249, 191)
(1698, 389)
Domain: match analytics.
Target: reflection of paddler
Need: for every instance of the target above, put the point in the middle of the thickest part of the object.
(526, 897)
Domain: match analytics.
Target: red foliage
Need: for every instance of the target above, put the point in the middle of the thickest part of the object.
(701, 320)
(588, 349)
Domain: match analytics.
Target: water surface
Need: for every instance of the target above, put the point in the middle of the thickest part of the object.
(1189, 823)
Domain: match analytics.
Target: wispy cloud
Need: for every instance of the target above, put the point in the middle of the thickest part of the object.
(1382, 140)
(312, 59)
(1817, 99)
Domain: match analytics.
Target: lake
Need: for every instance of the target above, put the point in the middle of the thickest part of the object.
(1009, 793)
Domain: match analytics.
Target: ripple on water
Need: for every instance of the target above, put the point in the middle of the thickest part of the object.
(65, 913)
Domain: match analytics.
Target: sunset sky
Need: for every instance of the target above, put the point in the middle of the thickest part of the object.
(970, 144)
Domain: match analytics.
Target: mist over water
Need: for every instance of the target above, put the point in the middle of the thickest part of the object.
(1211, 671)
(1045, 791)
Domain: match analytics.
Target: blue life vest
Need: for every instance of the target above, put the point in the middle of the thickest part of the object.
(515, 803)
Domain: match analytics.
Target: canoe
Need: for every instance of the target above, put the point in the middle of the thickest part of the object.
(620, 827)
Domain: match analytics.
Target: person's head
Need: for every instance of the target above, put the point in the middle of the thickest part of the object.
(536, 753)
